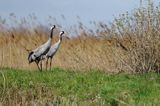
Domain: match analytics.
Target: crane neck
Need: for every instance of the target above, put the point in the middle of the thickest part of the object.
(51, 34)
(59, 41)
(60, 38)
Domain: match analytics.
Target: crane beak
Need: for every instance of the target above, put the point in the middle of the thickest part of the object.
(67, 37)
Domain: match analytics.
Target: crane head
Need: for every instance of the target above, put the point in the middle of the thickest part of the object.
(61, 33)
(53, 27)
(30, 57)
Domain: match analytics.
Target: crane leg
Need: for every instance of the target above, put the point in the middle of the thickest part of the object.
(41, 65)
(50, 63)
(46, 64)
(38, 66)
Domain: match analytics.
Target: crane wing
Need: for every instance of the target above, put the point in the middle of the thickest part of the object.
(53, 49)
(43, 49)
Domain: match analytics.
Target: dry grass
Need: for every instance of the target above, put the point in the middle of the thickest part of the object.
(77, 53)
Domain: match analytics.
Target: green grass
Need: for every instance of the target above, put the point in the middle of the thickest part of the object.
(92, 87)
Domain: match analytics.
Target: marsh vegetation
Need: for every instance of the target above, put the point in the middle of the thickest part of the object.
(114, 63)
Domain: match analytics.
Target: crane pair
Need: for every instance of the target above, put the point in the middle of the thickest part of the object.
(45, 51)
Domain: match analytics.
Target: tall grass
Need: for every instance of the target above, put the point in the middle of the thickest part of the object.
(130, 43)
(60, 87)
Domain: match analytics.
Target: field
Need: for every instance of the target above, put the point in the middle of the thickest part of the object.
(115, 63)
(66, 87)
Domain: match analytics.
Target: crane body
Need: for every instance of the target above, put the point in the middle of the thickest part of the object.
(53, 50)
(37, 54)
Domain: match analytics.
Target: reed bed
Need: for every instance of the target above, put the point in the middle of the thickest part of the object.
(77, 53)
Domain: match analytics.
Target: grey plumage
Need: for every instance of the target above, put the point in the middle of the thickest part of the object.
(52, 51)
(37, 54)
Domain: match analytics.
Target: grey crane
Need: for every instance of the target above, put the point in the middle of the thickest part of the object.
(52, 51)
(37, 54)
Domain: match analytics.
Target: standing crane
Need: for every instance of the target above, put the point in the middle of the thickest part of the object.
(52, 51)
(37, 54)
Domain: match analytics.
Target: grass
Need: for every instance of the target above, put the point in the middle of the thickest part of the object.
(70, 87)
